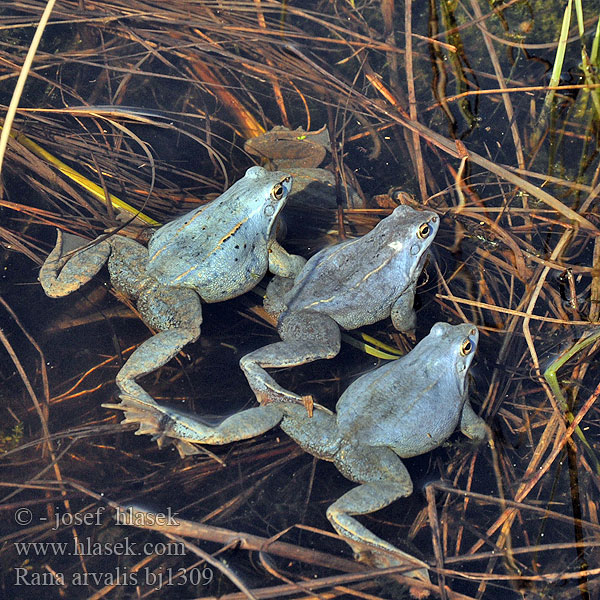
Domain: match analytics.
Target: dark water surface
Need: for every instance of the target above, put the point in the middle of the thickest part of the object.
(267, 485)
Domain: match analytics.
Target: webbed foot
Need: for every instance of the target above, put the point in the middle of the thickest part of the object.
(168, 425)
(63, 273)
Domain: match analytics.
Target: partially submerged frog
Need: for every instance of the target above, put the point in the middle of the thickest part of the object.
(289, 149)
(402, 409)
(301, 153)
(216, 252)
(354, 283)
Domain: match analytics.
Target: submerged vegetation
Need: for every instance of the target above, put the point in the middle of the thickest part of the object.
(134, 112)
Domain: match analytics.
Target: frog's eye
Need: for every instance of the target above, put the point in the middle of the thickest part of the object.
(423, 231)
(466, 347)
(277, 192)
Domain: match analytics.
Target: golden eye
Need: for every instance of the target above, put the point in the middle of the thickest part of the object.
(466, 347)
(277, 192)
(423, 231)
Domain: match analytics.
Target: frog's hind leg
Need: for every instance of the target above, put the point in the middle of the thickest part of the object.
(384, 479)
(184, 431)
(127, 266)
(317, 434)
(177, 314)
(306, 336)
(60, 275)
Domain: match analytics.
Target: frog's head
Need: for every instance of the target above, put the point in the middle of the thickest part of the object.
(412, 233)
(269, 193)
(454, 347)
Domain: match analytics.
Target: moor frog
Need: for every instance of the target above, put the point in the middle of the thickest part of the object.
(354, 283)
(215, 252)
(404, 408)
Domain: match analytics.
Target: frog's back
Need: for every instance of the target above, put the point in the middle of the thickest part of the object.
(221, 250)
(212, 250)
(412, 404)
(348, 282)
(357, 282)
(412, 410)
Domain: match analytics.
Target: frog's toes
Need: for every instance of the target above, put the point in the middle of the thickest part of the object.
(154, 420)
(477, 432)
(184, 448)
(266, 398)
(385, 560)
(149, 415)
(308, 404)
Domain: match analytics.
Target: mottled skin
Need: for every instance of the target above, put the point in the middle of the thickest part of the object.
(216, 252)
(301, 153)
(402, 409)
(348, 285)
(290, 149)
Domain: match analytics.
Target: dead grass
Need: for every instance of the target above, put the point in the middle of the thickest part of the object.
(448, 113)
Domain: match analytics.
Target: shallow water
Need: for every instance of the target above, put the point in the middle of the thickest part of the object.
(265, 486)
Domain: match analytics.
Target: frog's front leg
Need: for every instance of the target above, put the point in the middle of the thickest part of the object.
(184, 431)
(306, 336)
(273, 301)
(60, 275)
(403, 314)
(384, 479)
(283, 263)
